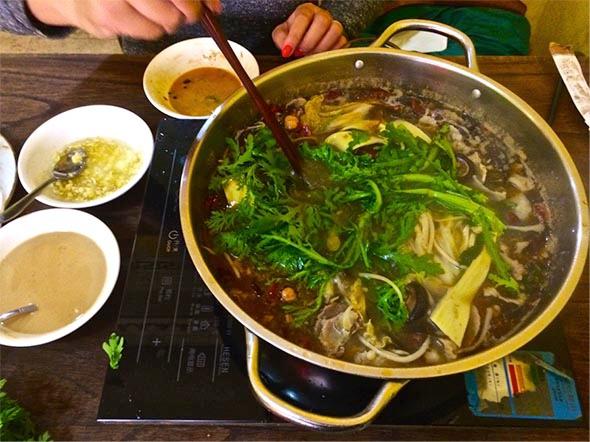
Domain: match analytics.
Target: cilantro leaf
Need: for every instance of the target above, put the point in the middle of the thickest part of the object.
(15, 421)
(113, 347)
(410, 263)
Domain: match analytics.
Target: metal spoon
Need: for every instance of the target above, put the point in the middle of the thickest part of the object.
(29, 308)
(69, 165)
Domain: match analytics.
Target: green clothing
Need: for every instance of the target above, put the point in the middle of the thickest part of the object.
(493, 31)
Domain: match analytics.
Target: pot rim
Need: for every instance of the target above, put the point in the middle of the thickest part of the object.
(460, 365)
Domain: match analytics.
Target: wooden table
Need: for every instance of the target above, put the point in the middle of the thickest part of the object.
(60, 383)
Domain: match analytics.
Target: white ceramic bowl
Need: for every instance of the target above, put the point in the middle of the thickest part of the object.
(38, 153)
(60, 220)
(7, 172)
(185, 56)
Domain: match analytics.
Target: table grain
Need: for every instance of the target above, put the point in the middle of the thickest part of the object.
(60, 383)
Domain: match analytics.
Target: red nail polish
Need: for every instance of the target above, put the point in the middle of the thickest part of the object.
(298, 53)
(287, 51)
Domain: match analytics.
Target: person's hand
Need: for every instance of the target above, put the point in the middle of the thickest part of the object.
(141, 19)
(309, 30)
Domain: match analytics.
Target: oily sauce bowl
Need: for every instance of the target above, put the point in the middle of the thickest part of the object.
(38, 153)
(185, 56)
(47, 221)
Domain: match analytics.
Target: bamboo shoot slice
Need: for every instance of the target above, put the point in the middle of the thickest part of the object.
(451, 314)
(413, 129)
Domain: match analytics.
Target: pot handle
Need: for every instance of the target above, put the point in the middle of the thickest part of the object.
(296, 415)
(437, 28)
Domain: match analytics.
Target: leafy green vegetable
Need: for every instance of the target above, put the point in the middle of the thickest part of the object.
(502, 277)
(358, 137)
(113, 347)
(15, 421)
(471, 253)
(370, 202)
(410, 263)
(301, 314)
(441, 140)
(390, 300)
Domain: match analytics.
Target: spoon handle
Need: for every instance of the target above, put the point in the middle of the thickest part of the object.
(29, 308)
(15, 210)
(212, 27)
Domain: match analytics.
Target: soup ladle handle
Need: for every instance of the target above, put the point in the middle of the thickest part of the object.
(291, 413)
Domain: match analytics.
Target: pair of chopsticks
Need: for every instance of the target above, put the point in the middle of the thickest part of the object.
(211, 25)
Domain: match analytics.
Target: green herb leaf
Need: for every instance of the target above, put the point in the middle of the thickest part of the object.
(358, 137)
(15, 421)
(113, 347)
(390, 299)
(441, 140)
(410, 263)
(370, 202)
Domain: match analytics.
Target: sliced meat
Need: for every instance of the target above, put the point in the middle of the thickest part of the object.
(336, 323)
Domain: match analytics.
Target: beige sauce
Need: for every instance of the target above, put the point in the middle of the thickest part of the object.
(63, 273)
(201, 90)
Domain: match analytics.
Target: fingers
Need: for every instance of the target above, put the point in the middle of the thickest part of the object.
(279, 35)
(141, 19)
(308, 30)
(160, 12)
(126, 20)
(342, 42)
(330, 38)
(215, 6)
(320, 25)
(192, 9)
(298, 23)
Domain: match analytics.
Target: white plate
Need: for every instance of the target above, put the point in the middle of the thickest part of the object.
(38, 153)
(60, 220)
(185, 56)
(7, 172)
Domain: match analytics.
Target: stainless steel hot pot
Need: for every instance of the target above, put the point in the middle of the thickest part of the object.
(459, 86)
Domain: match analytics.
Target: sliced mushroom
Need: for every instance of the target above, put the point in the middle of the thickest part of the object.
(473, 326)
(485, 328)
(494, 195)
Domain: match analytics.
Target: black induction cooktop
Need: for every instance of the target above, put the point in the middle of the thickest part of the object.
(184, 357)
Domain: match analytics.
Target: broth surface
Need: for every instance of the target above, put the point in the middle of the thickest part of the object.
(61, 272)
(199, 91)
